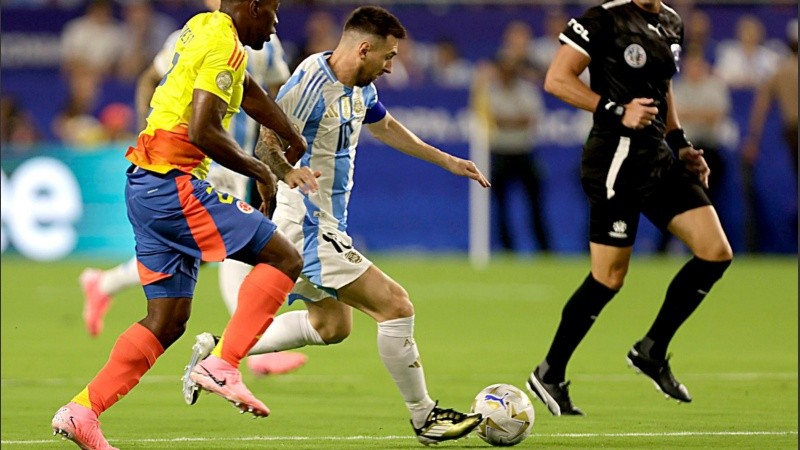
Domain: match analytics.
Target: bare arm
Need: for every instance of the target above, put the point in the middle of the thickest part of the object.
(263, 109)
(269, 150)
(206, 131)
(691, 157)
(563, 81)
(392, 133)
(145, 87)
(758, 115)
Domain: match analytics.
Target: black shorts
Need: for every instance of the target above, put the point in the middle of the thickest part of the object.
(619, 194)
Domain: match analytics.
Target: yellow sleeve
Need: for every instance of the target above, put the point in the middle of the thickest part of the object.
(217, 72)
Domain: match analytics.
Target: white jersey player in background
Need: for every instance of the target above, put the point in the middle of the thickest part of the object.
(329, 97)
(268, 67)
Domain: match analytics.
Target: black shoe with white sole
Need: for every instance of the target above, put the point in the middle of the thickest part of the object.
(554, 395)
(659, 371)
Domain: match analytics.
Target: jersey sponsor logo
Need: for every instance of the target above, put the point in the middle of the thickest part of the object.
(224, 80)
(579, 29)
(618, 229)
(635, 56)
(244, 207)
(650, 26)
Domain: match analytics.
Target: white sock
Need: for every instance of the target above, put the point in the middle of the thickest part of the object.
(289, 330)
(400, 356)
(231, 276)
(120, 277)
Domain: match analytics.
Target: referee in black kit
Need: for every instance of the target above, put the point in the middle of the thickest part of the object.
(631, 48)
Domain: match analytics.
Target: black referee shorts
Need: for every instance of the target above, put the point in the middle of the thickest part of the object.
(659, 196)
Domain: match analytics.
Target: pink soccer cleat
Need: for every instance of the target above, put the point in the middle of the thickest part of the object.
(275, 363)
(95, 301)
(216, 375)
(79, 424)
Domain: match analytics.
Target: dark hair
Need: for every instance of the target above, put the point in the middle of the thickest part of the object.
(376, 21)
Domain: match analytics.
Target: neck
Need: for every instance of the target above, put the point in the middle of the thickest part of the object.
(228, 10)
(651, 6)
(345, 72)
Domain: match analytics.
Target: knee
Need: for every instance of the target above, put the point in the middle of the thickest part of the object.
(334, 333)
(167, 330)
(292, 264)
(613, 278)
(400, 305)
(720, 251)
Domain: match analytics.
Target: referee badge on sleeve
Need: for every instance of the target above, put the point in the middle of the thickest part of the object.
(224, 80)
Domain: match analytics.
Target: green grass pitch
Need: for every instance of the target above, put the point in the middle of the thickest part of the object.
(737, 355)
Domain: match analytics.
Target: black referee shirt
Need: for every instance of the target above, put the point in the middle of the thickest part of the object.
(634, 54)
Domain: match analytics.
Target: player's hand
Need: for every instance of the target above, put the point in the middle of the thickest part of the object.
(267, 192)
(696, 163)
(639, 113)
(466, 168)
(303, 178)
(295, 149)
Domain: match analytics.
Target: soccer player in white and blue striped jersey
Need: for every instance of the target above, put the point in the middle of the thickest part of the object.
(329, 98)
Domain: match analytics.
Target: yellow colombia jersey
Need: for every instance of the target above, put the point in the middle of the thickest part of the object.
(208, 56)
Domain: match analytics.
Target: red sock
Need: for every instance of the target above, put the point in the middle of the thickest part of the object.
(134, 353)
(261, 295)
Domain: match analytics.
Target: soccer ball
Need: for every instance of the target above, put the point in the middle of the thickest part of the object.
(507, 415)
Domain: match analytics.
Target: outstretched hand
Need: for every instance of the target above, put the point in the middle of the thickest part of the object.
(696, 163)
(466, 168)
(303, 178)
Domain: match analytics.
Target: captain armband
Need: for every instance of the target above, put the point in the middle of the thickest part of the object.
(676, 139)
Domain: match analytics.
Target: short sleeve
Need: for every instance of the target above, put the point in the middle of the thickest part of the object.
(218, 70)
(375, 109)
(586, 34)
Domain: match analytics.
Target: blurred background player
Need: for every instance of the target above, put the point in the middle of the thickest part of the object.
(268, 67)
(782, 88)
(512, 106)
(330, 97)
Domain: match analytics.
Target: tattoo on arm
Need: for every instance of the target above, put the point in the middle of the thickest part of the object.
(269, 150)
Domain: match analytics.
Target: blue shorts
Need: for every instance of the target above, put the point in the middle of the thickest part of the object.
(179, 220)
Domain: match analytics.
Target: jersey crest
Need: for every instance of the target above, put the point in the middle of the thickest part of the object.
(635, 56)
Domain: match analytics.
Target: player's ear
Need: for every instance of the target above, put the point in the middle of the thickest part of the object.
(252, 8)
(363, 48)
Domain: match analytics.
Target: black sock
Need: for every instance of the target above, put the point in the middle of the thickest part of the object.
(577, 317)
(684, 295)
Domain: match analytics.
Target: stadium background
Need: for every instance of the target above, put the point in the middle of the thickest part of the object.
(59, 201)
(62, 209)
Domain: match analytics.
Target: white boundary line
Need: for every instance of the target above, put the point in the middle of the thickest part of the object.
(602, 378)
(409, 437)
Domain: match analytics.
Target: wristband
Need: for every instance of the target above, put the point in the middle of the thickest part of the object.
(611, 109)
(676, 139)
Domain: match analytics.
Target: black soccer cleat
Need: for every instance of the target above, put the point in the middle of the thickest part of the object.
(445, 425)
(554, 395)
(658, 370)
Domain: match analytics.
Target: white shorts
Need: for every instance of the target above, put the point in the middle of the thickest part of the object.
(329, 259)
(228, 181)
